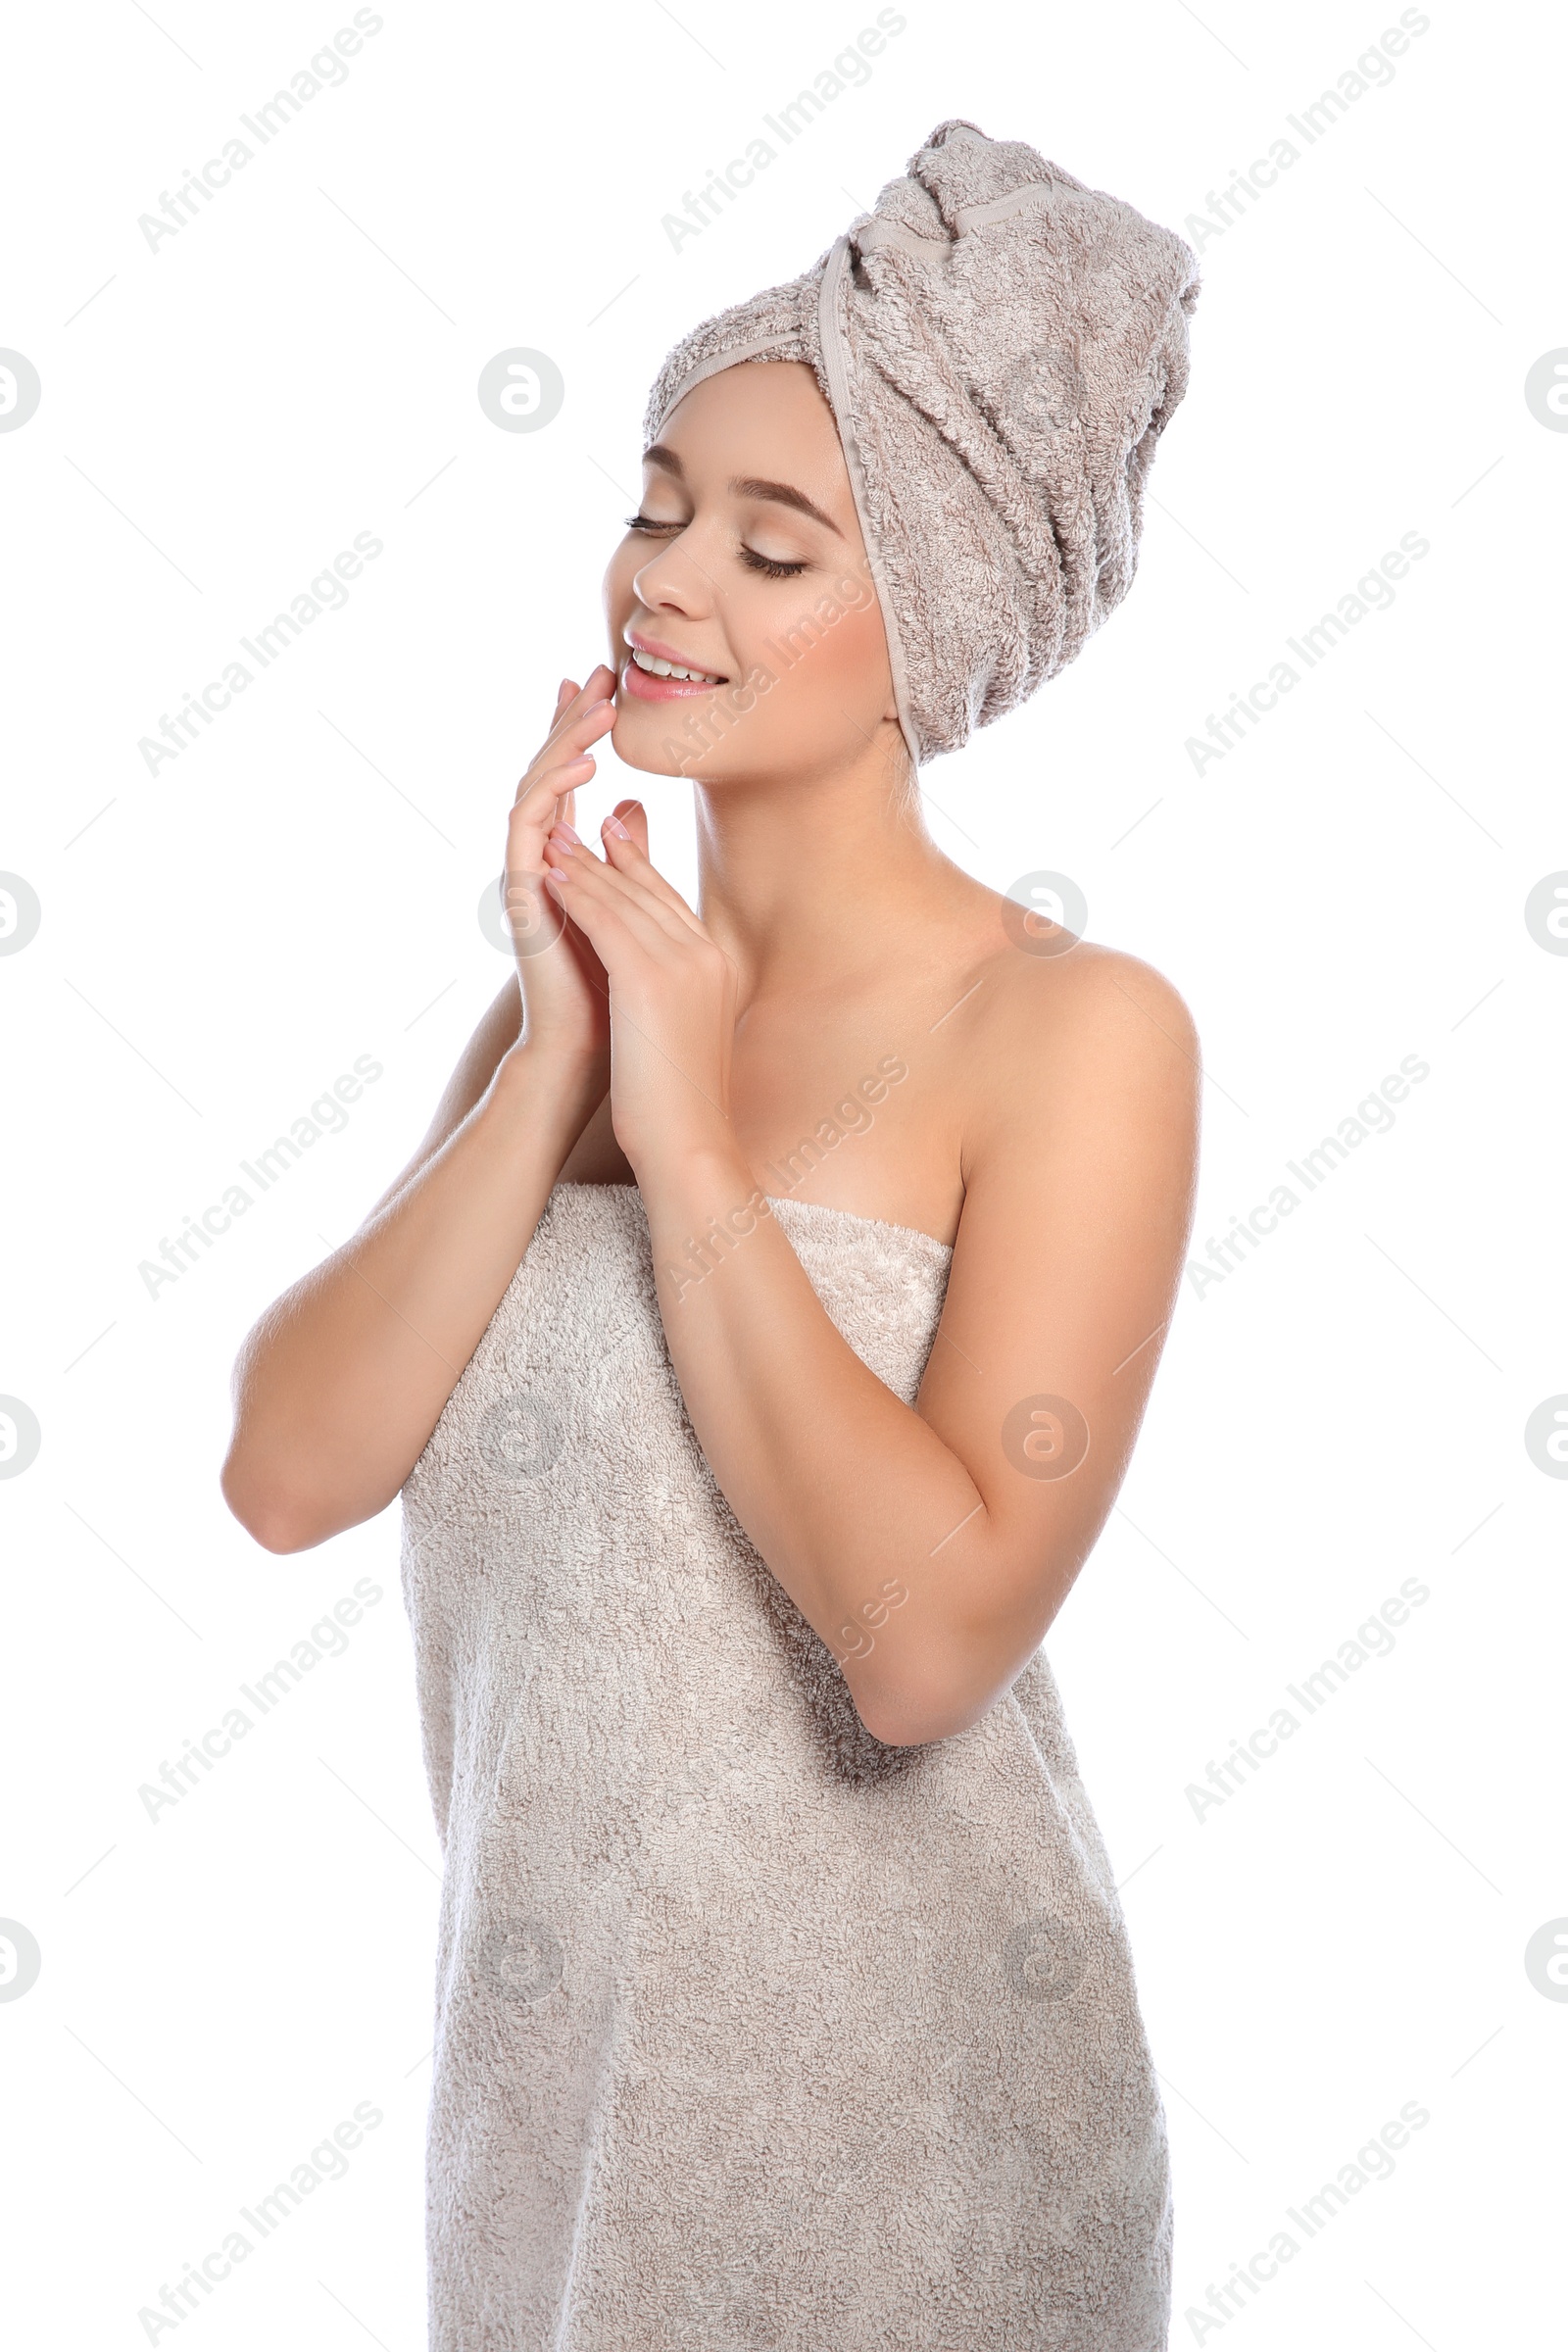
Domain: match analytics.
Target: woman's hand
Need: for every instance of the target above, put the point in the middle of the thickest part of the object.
(672, 992)
(565, 993)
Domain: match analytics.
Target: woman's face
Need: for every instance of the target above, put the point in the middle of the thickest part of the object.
(746, 562)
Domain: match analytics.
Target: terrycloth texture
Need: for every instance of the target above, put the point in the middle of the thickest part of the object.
(750, 2032)
(1001, 347)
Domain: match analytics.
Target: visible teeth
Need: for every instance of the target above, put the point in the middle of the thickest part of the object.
(671, 669)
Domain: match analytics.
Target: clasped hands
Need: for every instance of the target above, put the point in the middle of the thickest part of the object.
(671, 992)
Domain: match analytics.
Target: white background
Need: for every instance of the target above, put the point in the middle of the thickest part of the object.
(220, 940)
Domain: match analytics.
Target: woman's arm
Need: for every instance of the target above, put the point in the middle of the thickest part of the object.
(340, 1384)
(1080, 1149)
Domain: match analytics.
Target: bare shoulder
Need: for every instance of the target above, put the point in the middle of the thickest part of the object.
(1053, 992)
(1061, 1022)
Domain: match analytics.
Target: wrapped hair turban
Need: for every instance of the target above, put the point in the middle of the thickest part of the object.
(1002, 348)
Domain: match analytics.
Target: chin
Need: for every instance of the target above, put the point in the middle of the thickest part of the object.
(651, 759)
(652, 738)
(650, 751)
(639, 744)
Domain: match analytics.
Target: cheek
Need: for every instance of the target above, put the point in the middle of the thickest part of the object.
(860, 644)
(619, 574)
(826, 664)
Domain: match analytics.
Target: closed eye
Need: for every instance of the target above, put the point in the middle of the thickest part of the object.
(775, 571)
(770, 566)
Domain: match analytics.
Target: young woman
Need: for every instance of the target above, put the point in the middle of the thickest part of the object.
(757, 1340)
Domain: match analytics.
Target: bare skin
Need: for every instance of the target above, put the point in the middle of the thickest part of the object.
(1030, 1101)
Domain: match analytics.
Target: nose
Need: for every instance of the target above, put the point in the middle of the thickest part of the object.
(672, 580)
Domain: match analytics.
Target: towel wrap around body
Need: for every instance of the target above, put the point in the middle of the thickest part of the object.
(750, 2032)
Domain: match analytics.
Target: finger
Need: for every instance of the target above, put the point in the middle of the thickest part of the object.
(631, 873)
(621, 936)
(565, 749)
(565, 809)
(566, 694)
(538, 811)
(592, 685)
(629, 858)
(611, 930)
(634, 816)
(546, 769)
(597, 921)
(654, 921)
(536, 808)
(572, 700)
(590, 702)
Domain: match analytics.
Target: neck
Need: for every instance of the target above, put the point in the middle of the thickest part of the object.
(805, 879)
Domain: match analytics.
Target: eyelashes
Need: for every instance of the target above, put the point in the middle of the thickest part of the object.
(748, 555)
(765, 563)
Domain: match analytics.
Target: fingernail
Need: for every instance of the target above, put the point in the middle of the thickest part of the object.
(612, 824)
(564, 832)
(604, 702)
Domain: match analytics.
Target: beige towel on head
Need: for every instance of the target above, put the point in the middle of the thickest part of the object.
(1002, 348)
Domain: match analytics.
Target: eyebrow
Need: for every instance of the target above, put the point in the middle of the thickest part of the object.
(778, 494)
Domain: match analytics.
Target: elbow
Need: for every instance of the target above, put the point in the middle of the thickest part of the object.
(914, 1718)
(936, 1700)
(280, 1522)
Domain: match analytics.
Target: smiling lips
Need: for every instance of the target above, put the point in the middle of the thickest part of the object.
(656, 674)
